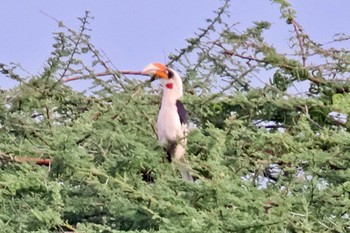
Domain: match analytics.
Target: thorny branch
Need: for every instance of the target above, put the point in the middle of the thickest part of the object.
(264, 62)
(104, 64)
(204, 33)
(300, 35)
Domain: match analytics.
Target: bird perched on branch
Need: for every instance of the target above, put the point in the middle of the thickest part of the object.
(172, 117)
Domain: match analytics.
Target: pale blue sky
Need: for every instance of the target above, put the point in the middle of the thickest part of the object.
(134, 32)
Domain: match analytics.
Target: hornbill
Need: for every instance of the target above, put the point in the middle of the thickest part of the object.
(172, 117)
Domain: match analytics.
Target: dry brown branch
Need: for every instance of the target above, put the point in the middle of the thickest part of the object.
(38, 161)
(124, 72)
(19, 159)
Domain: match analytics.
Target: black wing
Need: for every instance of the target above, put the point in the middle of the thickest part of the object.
(181, 111)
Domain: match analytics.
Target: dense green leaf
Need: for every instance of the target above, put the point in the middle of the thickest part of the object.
(265, 159)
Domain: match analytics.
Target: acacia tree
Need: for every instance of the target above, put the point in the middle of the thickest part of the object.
(265, 160)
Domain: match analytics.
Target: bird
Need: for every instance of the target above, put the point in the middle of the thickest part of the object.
(172, 117)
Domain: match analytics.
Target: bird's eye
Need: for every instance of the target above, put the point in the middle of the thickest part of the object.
(170, 74)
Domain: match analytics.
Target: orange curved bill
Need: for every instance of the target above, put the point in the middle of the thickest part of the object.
(156, 69)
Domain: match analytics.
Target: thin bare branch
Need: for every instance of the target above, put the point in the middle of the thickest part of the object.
(124, 72)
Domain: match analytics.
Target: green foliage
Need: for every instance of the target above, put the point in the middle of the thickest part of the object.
(109, 175)
(341, 102)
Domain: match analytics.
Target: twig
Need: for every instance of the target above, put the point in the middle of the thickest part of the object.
(104, 64)
(69, 227)
(298, 30)
(125, 72)
(76, 44)
(154, 129)
(48, 118)
(269, 205)
(204, 33)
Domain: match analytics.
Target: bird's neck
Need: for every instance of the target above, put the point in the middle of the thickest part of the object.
(170, 97)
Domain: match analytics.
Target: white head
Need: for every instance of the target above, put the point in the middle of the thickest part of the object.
(170, 79)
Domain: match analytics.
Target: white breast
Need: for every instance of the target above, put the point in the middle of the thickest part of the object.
(169, 127)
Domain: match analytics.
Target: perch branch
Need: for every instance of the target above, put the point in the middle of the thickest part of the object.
(124, 72)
